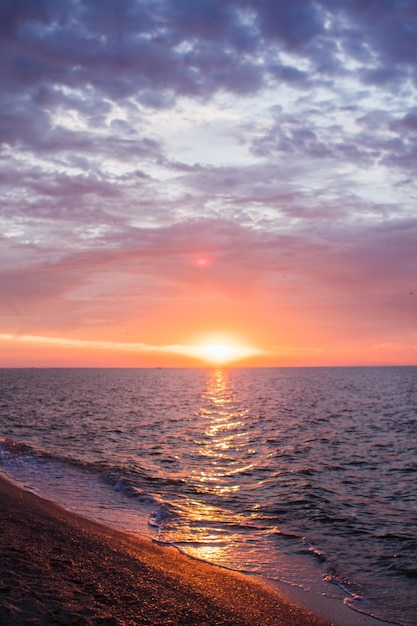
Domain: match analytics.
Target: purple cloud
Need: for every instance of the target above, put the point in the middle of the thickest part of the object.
(278, 138)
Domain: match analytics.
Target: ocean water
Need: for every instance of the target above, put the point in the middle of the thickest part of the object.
(306, 476)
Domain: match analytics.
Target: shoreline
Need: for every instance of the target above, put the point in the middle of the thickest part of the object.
(57, 567)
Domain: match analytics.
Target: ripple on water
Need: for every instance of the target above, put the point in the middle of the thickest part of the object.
(298, 474)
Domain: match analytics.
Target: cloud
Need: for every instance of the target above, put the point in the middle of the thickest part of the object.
(192, 49)
(356, 268)
(78, 61)
(210, 352)
(277, 139)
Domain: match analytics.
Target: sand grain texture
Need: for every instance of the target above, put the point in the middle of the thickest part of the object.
(58, 568)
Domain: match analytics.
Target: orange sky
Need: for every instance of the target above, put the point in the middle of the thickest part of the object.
(280, 306)
(270, 330)
(206, 175)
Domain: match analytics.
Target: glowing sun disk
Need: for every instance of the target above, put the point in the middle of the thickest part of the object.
(221, 353)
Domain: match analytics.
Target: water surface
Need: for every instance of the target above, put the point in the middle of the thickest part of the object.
(306, 476)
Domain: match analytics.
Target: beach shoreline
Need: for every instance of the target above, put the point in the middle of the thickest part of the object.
(57, 567)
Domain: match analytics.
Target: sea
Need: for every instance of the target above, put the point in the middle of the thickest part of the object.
(304, 476)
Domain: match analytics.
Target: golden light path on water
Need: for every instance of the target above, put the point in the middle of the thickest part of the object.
(225, 448)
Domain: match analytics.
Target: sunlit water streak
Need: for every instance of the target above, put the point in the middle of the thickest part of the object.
(301, 475)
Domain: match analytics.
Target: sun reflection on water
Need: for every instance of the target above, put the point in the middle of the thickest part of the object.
(225, 442)
(211, 522)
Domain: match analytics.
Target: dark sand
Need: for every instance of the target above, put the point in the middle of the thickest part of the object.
(59, 568)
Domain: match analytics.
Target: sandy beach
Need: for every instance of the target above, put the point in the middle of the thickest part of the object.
(59, 568)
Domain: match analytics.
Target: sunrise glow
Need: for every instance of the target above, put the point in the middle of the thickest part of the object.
(221, 353)
(254, 174)
(210, 352)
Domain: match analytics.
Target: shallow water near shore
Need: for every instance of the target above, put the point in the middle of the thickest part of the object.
(306, 476)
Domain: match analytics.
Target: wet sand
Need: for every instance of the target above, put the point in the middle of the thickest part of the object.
(59, 568)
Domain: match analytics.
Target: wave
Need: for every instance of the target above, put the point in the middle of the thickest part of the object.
(105, 493)
(14, 456)
(124, 485)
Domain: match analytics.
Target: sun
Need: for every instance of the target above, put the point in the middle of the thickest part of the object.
(221, 352)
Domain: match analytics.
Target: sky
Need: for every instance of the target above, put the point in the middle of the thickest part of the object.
(178, 175)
